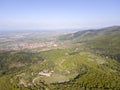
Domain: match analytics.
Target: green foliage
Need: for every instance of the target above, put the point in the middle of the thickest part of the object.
(12, 61)
(90, 63)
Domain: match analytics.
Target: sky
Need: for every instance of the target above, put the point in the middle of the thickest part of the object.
(58, 14)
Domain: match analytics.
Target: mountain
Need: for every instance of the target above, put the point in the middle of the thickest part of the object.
(85, 60)
(85, 35)
(103, 41)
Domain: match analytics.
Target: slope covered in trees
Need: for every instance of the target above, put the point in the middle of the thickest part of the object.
(85, 60)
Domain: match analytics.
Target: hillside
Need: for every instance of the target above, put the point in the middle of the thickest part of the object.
(104, 41)
(85, 60)
(64, 69)
(91, 34)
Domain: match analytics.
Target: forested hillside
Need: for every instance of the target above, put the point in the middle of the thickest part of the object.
(85, 60)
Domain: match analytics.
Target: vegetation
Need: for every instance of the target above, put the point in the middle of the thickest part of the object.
(81, 63)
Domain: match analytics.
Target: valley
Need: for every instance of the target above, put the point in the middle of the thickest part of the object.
(84, 60)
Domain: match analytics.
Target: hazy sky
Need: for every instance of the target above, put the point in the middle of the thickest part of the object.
(58, 14)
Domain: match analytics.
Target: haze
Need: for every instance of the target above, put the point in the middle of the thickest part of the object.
(58, 14)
